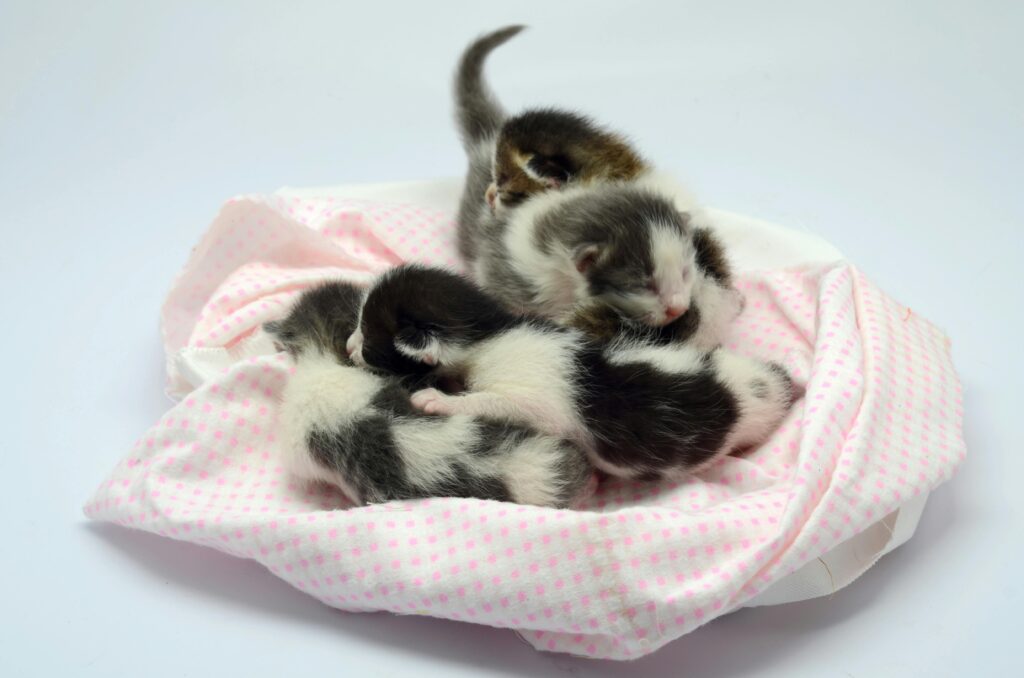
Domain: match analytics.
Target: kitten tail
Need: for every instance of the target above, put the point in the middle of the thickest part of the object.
(478, 113)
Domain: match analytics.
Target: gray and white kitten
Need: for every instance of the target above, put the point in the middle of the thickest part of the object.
(639, 410)
(604, 248)
(359, 430)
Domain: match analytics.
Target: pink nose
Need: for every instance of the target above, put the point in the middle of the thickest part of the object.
(675, 310)
(350, 345)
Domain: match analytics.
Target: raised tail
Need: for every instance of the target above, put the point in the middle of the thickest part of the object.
(477, 111)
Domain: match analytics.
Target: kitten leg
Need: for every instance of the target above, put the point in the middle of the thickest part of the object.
(433, 401)
(489, 405)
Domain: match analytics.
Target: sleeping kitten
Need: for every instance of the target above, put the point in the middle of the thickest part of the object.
(360, 431)
(585, 235)
(640, 411)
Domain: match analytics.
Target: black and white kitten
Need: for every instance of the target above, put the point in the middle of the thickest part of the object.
(359, 431)
(639, 410)
(586, 234)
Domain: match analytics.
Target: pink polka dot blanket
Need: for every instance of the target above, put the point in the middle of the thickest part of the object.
(638, 564)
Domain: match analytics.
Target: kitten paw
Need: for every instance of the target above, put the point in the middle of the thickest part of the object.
(432, 401)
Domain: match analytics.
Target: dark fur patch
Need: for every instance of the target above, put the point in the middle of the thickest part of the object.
(644, 418)
(562, 146)
(759, 387)
(492, 435)
(479, 113)
(324, 316)
(465, 484)
(366, 455)
(711, 256)
(394, 398)
(604, 323)
(431, 302)
(794, 392)
(680, 329)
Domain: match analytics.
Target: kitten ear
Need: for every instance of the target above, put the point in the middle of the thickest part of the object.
(586, 256)
(419, 344)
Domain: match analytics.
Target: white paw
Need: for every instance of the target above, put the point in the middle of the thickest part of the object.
(432, 401)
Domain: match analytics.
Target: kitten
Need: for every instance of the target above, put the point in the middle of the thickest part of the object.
(640, 411)
(585, 235)
(360, 431)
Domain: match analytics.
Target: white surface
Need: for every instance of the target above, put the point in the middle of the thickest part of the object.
(894, 133)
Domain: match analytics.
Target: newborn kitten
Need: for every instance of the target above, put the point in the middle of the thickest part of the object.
(360, 431)
(594, 244)
(640, 411)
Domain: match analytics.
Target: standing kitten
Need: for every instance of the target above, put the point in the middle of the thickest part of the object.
(360, 431)
(640, 411)
(582, 232)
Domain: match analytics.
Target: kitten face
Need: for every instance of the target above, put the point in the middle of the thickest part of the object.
(651, 290)
(517, 176)
(634, 249)
(320, 321)
(415, 319)
(531, 156)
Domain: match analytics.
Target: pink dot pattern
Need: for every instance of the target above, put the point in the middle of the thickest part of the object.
(639, 564)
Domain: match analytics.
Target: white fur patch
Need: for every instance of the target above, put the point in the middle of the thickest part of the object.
(323, 395)
(429, 354)
(529, 470)
(758, 416)
(534, 370)
(674, 269)
(428, 446)
(526, 375)
(673, 359)
(719, 307)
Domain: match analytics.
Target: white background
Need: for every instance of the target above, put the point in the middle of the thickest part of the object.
(895, 132)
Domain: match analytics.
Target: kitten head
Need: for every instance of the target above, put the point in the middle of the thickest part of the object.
(415, 319)
(533, 154)
(633, 249)
(321, 321)
(544, 149)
